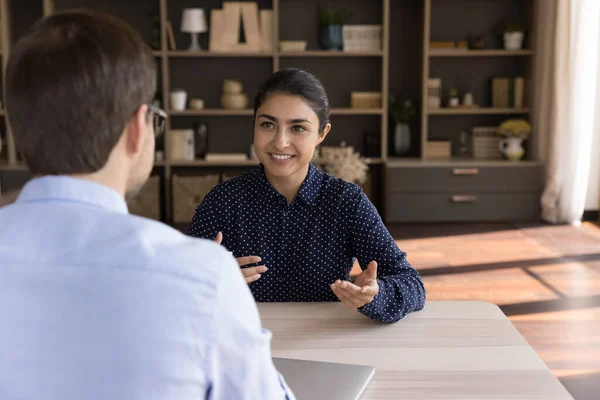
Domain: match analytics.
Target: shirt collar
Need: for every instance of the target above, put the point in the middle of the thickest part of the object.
(308, 192)
(64, 188)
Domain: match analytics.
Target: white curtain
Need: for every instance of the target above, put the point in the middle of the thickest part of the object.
(566, 73)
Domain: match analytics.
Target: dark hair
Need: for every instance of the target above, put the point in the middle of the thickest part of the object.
(72, 84)
(296, 82)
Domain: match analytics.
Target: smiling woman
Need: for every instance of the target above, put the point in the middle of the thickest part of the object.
(297, 231)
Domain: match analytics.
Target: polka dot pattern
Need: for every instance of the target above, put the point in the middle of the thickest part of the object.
(311, 242)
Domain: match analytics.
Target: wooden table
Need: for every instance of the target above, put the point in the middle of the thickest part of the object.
(449, 350)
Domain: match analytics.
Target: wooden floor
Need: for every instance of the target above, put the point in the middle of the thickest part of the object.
(545, 278)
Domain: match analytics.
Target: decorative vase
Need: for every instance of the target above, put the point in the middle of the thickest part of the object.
(331, 37)
(513, 40)
(401, 139)
(234, 101)
(512, 148)
(178, 100)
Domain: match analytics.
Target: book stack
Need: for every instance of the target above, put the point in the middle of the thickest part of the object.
(434, 93)
(438, 149)
(359, 38)
(485, 143)
(508, 92)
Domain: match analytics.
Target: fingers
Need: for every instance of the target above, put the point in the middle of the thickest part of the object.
(250, 279)
(343, 298)
(248, 260)
(219, 237)
(254, 270)
(357, 295)
(372, 270)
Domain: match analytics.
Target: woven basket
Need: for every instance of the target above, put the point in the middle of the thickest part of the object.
(188, 193)
(147, 202)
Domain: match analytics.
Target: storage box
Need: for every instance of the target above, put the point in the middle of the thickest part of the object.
(362, 38)
(485, 143)
(147, 201)
(365, 100)
(287, 46)
(188, 193)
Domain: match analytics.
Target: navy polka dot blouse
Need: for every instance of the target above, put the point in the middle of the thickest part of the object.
(311, 242)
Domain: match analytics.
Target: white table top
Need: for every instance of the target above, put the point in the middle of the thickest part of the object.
(449, 350)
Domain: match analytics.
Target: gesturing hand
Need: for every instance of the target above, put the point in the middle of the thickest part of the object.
(361, 292)
(251, 274)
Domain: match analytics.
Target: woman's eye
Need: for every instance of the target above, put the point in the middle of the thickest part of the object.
(267, 125)
(298, 128)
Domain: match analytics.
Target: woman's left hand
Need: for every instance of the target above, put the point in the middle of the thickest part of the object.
(361, 292)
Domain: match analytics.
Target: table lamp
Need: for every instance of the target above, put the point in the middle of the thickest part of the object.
(193, 21)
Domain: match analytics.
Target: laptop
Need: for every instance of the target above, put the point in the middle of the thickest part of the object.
(316, 380)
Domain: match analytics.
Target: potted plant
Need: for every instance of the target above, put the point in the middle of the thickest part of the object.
(401, 111)
(330, 28)
(514, 132)
(453, 100)
(513, 35)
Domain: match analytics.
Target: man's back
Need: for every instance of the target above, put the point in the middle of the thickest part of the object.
(98, 304)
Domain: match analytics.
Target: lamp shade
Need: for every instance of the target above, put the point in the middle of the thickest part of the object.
(193, 20)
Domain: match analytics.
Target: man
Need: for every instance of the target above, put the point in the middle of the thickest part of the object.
(96, 303)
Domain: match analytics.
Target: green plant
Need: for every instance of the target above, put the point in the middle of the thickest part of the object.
(401, 110)
(514, 26)
(453, 92)
(333, 17)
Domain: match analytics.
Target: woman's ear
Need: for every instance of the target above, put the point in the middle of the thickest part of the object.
(323, 134)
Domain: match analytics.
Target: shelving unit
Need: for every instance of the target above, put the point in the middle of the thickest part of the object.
(201, 74)
(403, 66)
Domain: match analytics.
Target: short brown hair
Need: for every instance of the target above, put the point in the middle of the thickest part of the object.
(72, 84)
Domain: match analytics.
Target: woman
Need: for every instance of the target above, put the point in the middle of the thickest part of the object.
(295, 230)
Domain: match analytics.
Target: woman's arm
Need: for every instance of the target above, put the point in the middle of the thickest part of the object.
(401, 289)
(209, 218)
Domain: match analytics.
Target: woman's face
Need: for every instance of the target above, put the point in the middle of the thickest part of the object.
(286, 133)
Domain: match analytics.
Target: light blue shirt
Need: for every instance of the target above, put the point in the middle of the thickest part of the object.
(96, 303)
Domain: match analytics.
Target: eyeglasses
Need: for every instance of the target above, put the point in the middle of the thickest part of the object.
(159, 119)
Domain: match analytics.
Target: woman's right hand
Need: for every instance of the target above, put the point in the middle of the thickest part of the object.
(250, 274)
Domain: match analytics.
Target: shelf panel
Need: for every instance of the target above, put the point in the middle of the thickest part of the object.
(457, 162)
(211, 112)
(356, 111)
(478, 111)
(326, 53)
(204, 163)
(157, 53)
(478, 53)
(13, 167)
(238, 54)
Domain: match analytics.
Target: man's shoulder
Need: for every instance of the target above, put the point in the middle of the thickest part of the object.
(170, 251)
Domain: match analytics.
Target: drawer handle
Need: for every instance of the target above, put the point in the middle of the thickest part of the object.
(465, 171)
(464, 199)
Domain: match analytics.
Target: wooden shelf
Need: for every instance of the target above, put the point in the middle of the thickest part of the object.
(457, 162)
(356, 111)
(13, 167)
(204, 163)
(245, 163)
(478, 53)
(212, 112)
(372, 161)
(157, 53)
(185, 53)
(325, 53)
(478, 111)
(250, 112)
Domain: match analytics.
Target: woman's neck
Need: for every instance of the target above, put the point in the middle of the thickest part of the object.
(288, 186)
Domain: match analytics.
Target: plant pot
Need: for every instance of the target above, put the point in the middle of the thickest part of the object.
(331, 37)
(401, 139)
(513, 40)
(512, 148)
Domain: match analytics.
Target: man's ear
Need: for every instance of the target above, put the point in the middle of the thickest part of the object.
(136, 129)
(323, 134)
